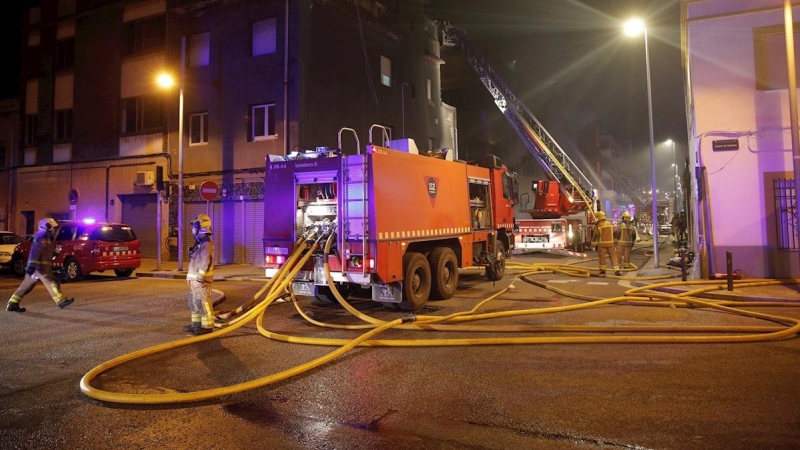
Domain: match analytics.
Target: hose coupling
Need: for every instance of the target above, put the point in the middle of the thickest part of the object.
(409, 319)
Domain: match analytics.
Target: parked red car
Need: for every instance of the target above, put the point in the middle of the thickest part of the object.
(88, 246)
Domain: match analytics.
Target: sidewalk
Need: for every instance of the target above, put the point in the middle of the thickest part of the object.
(667, 251)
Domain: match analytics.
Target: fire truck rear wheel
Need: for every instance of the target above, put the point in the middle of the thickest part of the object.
(495, 272)
(416, 281)
(444, 270)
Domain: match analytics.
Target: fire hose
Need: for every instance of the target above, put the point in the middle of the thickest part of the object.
(304, 248)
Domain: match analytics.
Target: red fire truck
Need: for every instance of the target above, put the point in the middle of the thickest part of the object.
(404, 223)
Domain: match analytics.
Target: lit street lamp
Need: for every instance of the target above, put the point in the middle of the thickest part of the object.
(167, 81)
(634, 27)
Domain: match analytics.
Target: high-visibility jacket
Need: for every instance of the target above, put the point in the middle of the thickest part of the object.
(626, 233)
(201, 260)
(603, 235)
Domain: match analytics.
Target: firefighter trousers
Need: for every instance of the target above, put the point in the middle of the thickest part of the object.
(29, 282)
(610, 253)
(624, 254)
(200, 303)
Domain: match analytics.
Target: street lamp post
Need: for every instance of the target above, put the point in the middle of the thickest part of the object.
(180, 156)
(167, 81)
(633, 28)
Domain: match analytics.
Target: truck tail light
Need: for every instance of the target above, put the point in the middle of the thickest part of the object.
(274, 259)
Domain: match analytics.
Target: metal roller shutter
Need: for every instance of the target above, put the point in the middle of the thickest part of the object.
(139, 211)
(238, 228)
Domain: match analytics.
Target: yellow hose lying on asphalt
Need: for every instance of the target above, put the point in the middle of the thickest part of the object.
(455, 322)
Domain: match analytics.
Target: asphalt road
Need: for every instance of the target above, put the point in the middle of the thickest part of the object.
(543, 396)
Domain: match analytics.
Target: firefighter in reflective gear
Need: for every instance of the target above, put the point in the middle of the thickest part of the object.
(40, 267)
(200, 277)
(625, 237)
(603, 241)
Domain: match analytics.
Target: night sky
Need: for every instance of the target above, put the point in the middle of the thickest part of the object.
(573, 66)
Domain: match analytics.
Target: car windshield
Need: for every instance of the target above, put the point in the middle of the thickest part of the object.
(10, 239)
(113, 233)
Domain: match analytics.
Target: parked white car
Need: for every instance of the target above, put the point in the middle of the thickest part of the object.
(8, 241)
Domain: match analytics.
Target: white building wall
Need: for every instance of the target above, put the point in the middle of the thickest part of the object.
(726, 105)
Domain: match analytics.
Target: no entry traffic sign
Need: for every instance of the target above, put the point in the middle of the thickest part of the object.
(209, 191)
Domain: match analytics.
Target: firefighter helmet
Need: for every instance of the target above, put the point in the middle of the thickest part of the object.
(47, 224)
(600, 215)
(201, 224)
(626, 216)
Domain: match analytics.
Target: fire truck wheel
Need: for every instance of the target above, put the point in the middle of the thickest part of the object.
(444, 271)
(416, 281)
(495, 272)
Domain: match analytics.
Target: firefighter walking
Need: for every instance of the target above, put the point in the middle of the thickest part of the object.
(40, 268)
(603, 241)
(625, 237)
(200, 276)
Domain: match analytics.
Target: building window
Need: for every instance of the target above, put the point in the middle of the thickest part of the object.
(63, 125)
(146, 35)
(199, 50)
(386, 71)
(264, 37)
(34, 15)
(198, 129)
(262, 120)
(66, 8)
(142, 113)
(65, 54)
(786, 214)
(769, 49)
(31, 122)
(34, 38)
(429, 90)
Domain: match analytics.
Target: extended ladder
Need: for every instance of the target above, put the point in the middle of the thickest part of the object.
(551, 157)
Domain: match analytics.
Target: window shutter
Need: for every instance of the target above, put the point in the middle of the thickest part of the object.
(199, 50)
(264, 35)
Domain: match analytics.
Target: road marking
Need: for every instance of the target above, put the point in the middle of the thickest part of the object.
(561, 281)
(602, 283)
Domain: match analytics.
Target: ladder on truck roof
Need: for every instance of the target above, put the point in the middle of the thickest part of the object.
(551, 157)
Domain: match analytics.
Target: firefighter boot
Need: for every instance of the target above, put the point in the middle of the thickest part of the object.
(199, 330)
(14, 306)
(602, 273)
(191, 327)
(618, 273)
(66, 302)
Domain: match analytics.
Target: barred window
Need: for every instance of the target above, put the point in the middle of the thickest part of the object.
(786, 214)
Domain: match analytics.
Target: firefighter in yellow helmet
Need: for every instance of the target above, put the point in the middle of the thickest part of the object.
(625, 237)
(603, 241)
(200, 277)
(40, 268)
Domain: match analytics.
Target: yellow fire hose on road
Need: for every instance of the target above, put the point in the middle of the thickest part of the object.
(280, 283)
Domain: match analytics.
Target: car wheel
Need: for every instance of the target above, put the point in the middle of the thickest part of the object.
(18, 265)
(122, 273)
(72, 270)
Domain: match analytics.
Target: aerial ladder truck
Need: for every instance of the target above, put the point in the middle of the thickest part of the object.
(565, 192)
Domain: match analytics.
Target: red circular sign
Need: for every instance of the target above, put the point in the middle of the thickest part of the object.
(209, 191)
